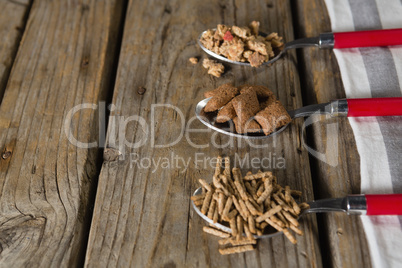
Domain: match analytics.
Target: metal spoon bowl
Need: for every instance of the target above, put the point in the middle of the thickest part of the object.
(321, 41)
(351, 204)
(209, 119)
(271, 232)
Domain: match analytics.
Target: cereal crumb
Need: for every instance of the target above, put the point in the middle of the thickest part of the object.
(214, 68)
(193, 60)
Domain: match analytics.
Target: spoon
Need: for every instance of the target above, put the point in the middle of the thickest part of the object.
(342, 107)
(371, 205)
(373, 38)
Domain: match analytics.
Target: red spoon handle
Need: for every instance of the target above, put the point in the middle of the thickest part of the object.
(384, 204)
(374, 107)
(375, 38)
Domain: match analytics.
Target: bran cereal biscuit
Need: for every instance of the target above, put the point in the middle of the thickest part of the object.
(261, 91)
(223, 95)
(251, 126)
(265, 102)
(272, 117)
(246, 106)
(226, 113)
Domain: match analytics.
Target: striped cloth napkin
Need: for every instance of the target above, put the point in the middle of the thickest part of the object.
(374, 72)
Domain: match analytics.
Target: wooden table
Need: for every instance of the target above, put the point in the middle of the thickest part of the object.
(71, 196)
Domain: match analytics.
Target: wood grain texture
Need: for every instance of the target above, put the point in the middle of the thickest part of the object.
(12, 23)
(142, 215)
(345, 242)
(45, 181)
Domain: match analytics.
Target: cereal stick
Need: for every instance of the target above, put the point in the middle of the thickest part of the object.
(260, 208)
(273, 224)
(249, 188)
(215, 232)
(233, 226)
(233, 250)
(224, 241)
(287, 194)
(226, 185)
(283, 218)
(290, 218)
(205, 204)
(242, 191)
(217, 183)
(232, 214)
(251, 224)
(238, 207)
(240, 228)
(266, 193)
(277, 188)
(296, 230)
(268, 214)
(198, 202)
(226, 172)
(211, 209)
(304, 206)
(205, 185)
(221, 202)
(278, 221)
(281, 202)
(259, 232)
(295, 206)
(260, 190)
(218, 166)
(258, 176)
(267, 202)
(291, 238)
(295, 193)
(232, 185)
(252, 209)
(228, 205)
(248, 233)
(263, 225)
(218, 191)
(197, 197)
(235, 172)
(216, 216)
(254, 185)
(243, 242)
(245, 209)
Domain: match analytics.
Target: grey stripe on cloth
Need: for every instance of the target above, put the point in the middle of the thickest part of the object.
(384, 82)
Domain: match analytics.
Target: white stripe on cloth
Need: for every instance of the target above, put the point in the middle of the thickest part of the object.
(384, 233)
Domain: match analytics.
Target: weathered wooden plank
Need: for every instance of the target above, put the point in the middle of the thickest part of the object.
(142, 214)
(339, 175)
(46, 181)
(12, 22)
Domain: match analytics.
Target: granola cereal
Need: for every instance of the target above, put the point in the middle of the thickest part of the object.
(193, 60)
(244, 212)
(214, 68)
(242, 43)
